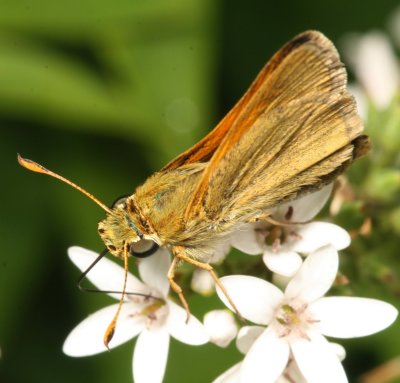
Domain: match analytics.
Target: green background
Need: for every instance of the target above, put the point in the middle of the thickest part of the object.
(105, 93)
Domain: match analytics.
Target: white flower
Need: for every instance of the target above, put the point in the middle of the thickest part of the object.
(221, 327)
(282, 256)
(202, 282)
(153, 320)
(375, 65)
(291, 374)
(361, 100)
(299, 318)
(246, 337)
(219, 252)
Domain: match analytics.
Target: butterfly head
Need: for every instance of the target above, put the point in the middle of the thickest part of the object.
(123, 231)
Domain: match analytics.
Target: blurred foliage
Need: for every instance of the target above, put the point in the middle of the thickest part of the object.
(105, 93)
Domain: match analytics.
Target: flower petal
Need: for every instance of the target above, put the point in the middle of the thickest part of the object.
(220, 251)
(306, 207)
(245, 239)
(291, 374)
(87, 337)
(202, 282)
(230, 376)
(153, 271)
(286, 263)
(316, 360)
(315, 276)
(150, 355)
(266, 359)
(376, 67)
(193, 332)
(338, 350)
(105, 275)
(349, 317)
(247, 336)
(221, 327)
(255, 298)
(317, 234)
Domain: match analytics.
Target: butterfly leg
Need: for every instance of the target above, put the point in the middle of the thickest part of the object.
(272, 221)
(180, 254)
(176, 287)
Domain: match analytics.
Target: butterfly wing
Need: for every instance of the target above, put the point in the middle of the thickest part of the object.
(293, 130)
(205, 148)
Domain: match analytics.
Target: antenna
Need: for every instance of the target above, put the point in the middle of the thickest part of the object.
(35, 167)
(111, 327)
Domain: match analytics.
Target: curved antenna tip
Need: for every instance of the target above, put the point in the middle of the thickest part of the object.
(31, 165)
(37, 168)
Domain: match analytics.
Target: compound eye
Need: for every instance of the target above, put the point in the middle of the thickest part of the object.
(119, 201)
(143, 248)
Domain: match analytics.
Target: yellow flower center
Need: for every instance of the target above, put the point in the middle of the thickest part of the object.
(288, 316)
(151, 309)
(293, 320)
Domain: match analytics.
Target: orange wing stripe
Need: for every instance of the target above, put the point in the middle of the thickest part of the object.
(204, 149)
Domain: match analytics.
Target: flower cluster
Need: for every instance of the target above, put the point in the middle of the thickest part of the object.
(151, 316)
(297, 319)
(287, 341)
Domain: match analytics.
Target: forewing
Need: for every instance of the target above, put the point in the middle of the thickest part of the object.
(294, 130)
(244, 108)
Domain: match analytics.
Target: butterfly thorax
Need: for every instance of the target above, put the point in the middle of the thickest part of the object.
(163, 200)
(155, 212)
